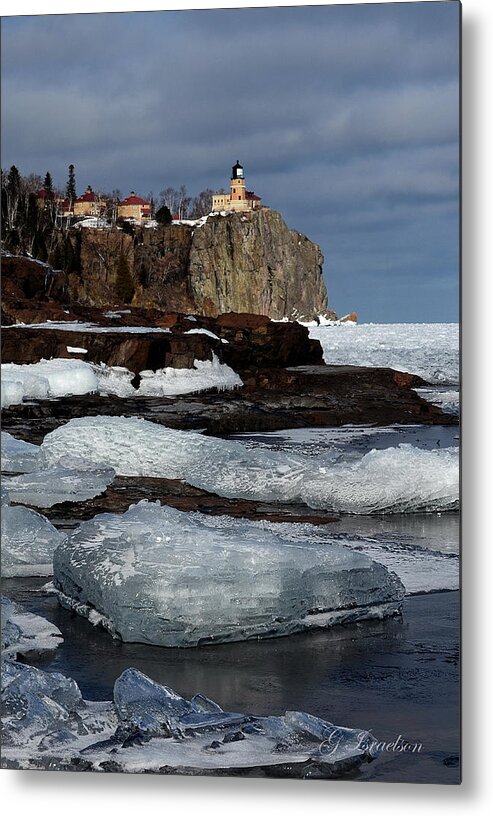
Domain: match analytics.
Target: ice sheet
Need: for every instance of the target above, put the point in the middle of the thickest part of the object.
(19, 456)
(398, 479)
(430, 350)
(71, 479)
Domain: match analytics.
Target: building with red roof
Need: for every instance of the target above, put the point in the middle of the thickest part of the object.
(135, 207)
(89, 204)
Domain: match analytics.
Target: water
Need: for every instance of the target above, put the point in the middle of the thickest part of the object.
(398, 676)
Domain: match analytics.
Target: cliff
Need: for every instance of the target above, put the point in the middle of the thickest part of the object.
(254, 263)
(248, 262)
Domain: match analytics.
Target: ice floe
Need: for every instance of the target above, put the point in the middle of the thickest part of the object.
(71, 479)
(28, 541)
(151, 728)
(19, 456)
(25, 634)
(395, 480)
(447, 399)
(162, 576)
(430, 350)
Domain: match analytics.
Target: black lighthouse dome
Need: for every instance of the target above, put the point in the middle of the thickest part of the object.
(237, 171)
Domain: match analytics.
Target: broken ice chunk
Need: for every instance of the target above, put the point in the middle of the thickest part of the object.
(48, 724)
(28, 542)
(420, 480)
(72, 479)
(26, 634)
(19, 456)
(162, 576)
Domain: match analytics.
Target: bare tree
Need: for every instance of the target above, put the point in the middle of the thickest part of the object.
(201, 204)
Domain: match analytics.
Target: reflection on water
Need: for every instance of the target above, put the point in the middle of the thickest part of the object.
(398, 676)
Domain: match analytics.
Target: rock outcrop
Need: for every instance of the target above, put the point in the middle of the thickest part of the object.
(254, 263)
(240, 262)
(243, 342)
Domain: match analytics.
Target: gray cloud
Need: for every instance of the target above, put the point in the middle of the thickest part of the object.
(346, 118)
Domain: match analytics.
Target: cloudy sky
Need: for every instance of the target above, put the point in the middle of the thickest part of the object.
(344, 117)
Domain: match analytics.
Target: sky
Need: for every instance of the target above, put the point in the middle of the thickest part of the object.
(345, 118)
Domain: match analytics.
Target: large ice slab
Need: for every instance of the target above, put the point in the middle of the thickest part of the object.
(158, 575)
(25, 634)
(71, 479)
(151, 728)
(19, 456)
(398, 479)
(28, 542)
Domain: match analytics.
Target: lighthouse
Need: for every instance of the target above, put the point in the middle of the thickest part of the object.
(239, 198)
(238, 192)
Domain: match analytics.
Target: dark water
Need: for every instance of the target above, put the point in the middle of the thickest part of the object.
(396, 677)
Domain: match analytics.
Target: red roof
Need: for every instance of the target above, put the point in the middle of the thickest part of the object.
(252, 196)
(86, 197)
(133, 199)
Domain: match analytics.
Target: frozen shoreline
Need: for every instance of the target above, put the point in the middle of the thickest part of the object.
(332, 674)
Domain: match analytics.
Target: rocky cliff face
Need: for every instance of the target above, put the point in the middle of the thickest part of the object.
(242, 262)
(254, 263)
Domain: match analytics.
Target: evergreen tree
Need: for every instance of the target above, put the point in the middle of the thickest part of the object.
(124, 284)
(68, 264)
(77, 262)
(57, 261)
(48, 183)
(70, 191)
(163, 215)
(39, 248)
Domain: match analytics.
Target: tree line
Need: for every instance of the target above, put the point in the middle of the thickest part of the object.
(27, 228)
(25, 224)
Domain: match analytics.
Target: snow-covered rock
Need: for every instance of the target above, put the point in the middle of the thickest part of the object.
(71, 479)
(19, 456)
(149, 727)
(399, 479)
(167, 382)
(48, 378)
(158, 575)
(61, 377)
